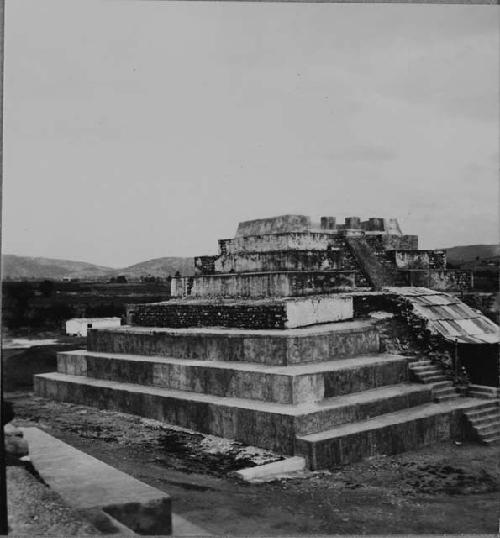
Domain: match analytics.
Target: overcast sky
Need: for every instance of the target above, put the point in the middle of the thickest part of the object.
(140, 129)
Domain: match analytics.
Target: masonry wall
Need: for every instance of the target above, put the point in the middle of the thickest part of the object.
(392, 242)
(204, 265)
(418, 259)
(441, 280)
(273, 242)
(273, 225)
(257, 285)
(291, 260)
(246, 316)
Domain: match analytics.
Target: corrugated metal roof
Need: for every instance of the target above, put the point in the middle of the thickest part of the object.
(448, 316)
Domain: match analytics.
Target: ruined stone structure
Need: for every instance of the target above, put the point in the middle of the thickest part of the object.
(262, 345)
(290, 256)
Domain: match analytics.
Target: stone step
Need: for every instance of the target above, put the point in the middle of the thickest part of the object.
(445, 389)
(424, 367)
(445, 397)
(421, 362)
(490, 439)
(426, 372)
(483, 392)
(278, 347)
(334, 412)
(483, 429)
(282, 384)
(88, 484)
(448, 394)
(493, 391)
(390, 433)
(265, 424)
(441, 384)
(433, 378)
(485, 409)
(486, 419)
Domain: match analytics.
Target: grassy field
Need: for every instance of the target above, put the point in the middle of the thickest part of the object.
(41, 308)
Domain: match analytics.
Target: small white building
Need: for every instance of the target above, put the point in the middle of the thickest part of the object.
(79, 326)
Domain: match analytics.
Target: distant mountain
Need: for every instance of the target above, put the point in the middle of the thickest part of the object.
(159, 267)
(29, 268)
(25, 267)
(465, 254)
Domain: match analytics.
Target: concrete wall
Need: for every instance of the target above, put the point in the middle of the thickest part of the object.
(79, 326)
(318, 310)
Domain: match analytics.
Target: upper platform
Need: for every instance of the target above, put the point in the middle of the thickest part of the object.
(301, 223)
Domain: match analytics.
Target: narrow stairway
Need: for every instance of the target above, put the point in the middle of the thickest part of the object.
(485, 422)
(424, 371)
(377, 274)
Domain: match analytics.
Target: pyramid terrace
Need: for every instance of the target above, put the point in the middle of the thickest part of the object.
(277, 341)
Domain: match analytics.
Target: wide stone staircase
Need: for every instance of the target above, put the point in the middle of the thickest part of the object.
(323, 391)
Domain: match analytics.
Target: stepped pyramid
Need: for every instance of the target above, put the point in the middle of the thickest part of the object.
(261, 346)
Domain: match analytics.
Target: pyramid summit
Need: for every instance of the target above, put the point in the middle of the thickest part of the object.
(290, 256)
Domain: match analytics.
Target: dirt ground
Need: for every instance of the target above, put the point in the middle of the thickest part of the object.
(36, 510)
(445, 489)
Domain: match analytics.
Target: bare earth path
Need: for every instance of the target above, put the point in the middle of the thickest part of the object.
(444, 489)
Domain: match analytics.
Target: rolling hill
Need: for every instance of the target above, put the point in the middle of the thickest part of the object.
(30, 268)
(25, 267)
(466, 254)
(159, 267)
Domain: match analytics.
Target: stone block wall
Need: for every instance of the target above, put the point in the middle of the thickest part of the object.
(246, 316)
(437, 259)
(278, 241)
(450, 280)
(204, 265)
(377, 224)
(418, 259)
(291, 260)
(259, 314)
(261, 285)
(277, 348)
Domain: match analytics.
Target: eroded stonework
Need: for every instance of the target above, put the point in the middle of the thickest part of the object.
(290, 255)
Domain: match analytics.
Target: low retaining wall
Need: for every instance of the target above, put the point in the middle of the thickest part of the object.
(263, 314)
